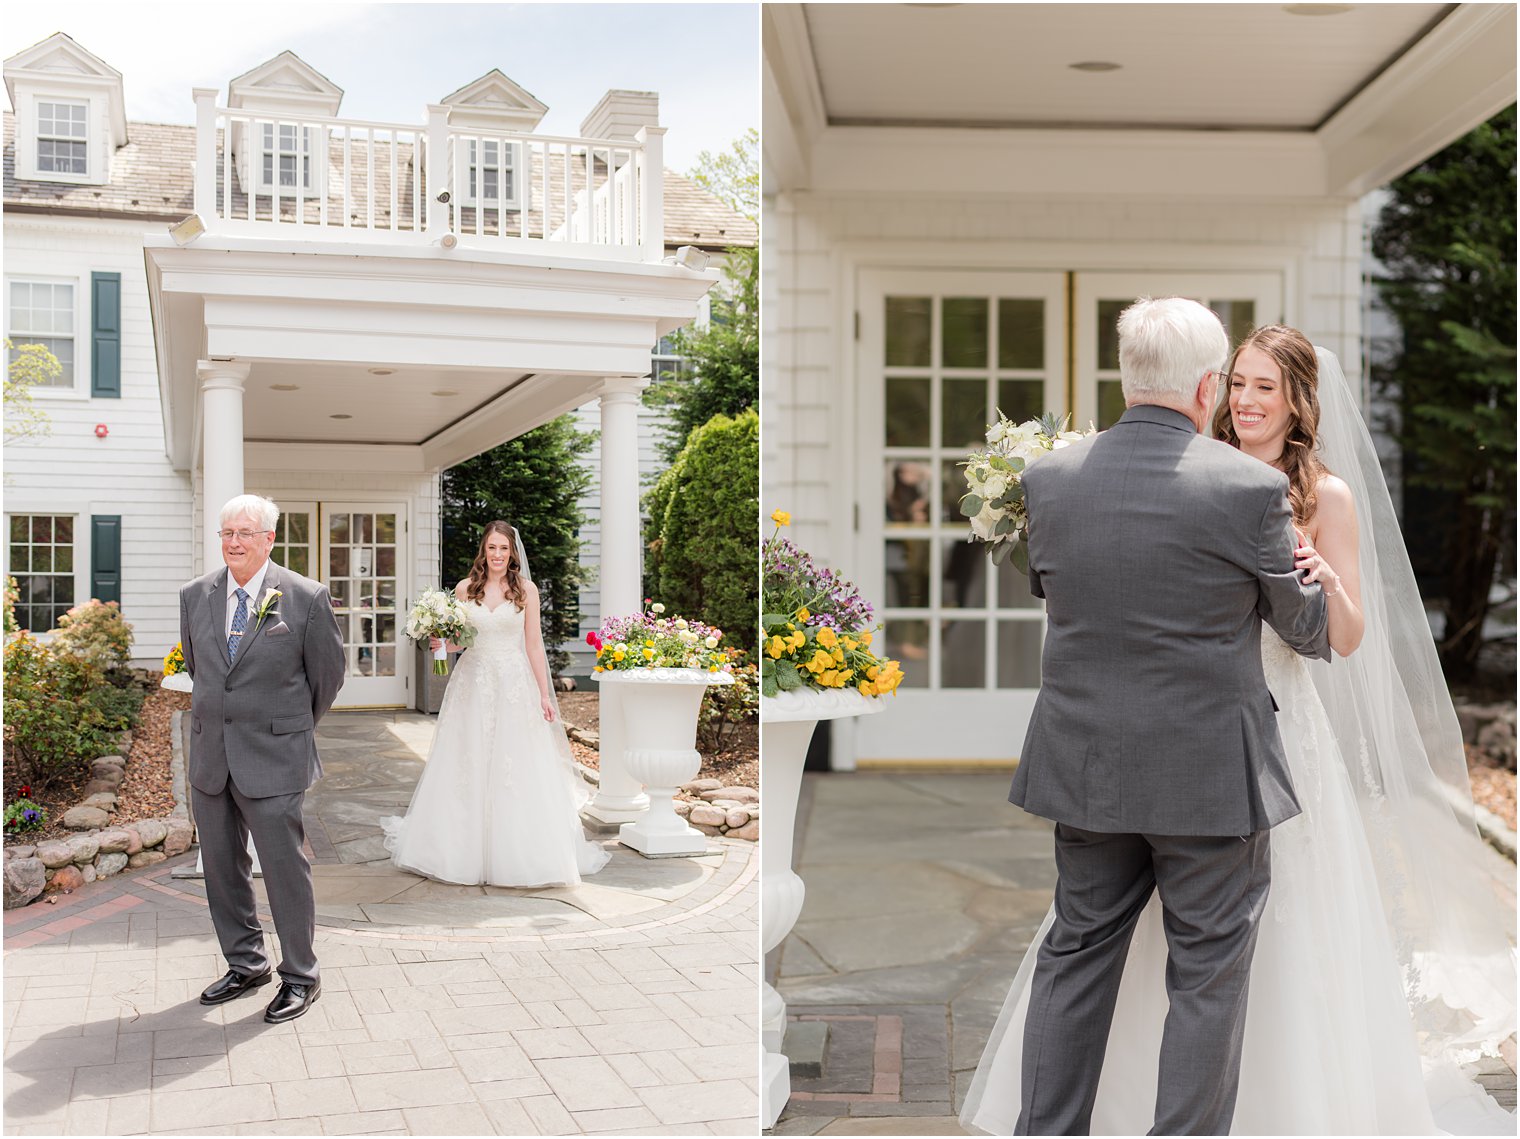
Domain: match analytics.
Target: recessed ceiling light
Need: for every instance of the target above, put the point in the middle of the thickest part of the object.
(340, 415)
(382, 371)
(1095, 65)
(284, 387)
(1316, 9)
(445, 392)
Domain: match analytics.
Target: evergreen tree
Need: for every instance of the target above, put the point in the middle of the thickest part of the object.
(1447, 240)
(533, 482)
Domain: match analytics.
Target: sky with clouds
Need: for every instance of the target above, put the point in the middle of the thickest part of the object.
(391, 60)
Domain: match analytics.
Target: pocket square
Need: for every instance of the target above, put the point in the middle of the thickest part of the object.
(279, 630)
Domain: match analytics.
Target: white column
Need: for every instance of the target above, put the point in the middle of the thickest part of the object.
(221, 443)
(620, 798)
(221, 467)
(205, 156)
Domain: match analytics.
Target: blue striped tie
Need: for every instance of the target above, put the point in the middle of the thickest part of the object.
(239, 625)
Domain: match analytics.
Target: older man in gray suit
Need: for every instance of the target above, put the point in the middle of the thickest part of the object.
(1159, 553)
(264, 650)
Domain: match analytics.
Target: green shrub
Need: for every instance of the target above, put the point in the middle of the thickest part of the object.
(12, 595)
(725, 707)
(97, 634)
(118, 707)
(51, 723)
(24, 815)
(703, 552)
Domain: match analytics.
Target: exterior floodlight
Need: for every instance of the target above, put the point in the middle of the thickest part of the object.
(444, 197)
(449, 240)
(184, 232)
(690, 257)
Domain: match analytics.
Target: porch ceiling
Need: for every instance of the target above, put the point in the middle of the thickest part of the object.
(1191, 66)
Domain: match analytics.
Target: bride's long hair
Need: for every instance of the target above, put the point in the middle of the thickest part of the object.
(475, 584)
(1294, 356)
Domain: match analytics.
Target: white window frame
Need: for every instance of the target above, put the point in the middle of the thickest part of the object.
(79, 387)
(81, 544)
(470, 168)
(313, 151)
(38, 138)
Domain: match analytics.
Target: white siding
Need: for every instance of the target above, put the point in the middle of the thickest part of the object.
(815, 241)
(127, 473)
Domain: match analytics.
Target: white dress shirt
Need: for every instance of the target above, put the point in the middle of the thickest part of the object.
(251, 589)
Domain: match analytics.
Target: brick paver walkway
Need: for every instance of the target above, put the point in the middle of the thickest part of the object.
(924, 890)
(626, 1006)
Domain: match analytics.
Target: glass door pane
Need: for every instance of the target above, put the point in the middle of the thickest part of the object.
(362, 556)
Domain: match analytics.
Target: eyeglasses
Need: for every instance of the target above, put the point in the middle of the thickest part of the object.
(240, 535)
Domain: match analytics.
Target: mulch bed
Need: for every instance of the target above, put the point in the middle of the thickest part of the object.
(737, 766)
(1493, 785)
(146, 793)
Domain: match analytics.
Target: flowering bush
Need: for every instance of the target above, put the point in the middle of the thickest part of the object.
(652, 640)
(24, 815)
(12, 595)
(439, 614)
(995, 477)
(815, 628)
(52, 719)
(96, 633)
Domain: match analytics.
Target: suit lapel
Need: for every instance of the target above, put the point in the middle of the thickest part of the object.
(216, 602)
(271, 581)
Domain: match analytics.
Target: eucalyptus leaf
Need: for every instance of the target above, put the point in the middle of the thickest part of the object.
(1020, 555)
(1000, 552)
(971, 506)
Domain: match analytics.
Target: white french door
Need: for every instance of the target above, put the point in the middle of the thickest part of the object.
(363, 560)
(940, 352)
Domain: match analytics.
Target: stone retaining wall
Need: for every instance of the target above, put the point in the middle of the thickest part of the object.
(733, 812)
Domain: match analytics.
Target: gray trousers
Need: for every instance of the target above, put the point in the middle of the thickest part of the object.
(1213, 891)
(224, 822)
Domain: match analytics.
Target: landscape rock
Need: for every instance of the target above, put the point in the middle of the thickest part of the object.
(108, 864)
(702, 785)
(177, 840)
(88, 871)
(749, 831)
(24, 880)
(105, 800)
(64, 878)
(107, 766)
(97, 786)
(1497, 738)
(704, 815)
(736, 817)
(84, 846)
(54, 854)
(739, 794)
(709, 830)
(114, 840)
(682, 807)
(134, 840)
(146, 858)
(19, 852)
(84, 818)
(151, 831)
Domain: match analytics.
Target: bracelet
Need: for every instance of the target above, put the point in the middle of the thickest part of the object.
(1337, 592)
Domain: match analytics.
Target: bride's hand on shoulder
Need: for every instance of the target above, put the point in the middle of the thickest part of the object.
(547, 704)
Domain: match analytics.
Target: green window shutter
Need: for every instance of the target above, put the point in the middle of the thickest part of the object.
(105, 338)
(105, 557)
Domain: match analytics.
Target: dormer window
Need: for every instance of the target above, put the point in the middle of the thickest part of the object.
(492, 174)
(62, 137)
(286, 150)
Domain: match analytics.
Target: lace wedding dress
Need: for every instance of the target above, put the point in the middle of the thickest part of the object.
(497, 803)
(1330, 1046)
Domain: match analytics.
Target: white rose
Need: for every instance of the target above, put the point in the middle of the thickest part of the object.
(1034, 455)
(1071, 436)
(985, 522)
(711, 642)
(997, 431)
(996, 485)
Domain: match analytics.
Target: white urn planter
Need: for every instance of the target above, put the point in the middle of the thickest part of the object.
(658, 709)
(786, 725)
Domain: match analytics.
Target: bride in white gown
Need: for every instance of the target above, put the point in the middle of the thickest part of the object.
(499, 799)
(1382, 962)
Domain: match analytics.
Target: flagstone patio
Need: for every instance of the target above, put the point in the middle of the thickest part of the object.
(627, 1005)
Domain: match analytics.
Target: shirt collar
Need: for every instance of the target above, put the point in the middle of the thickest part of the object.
(255, 583)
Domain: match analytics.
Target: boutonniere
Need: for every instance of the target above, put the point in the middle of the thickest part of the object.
(266, 603)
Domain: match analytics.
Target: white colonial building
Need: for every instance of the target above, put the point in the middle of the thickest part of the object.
(353, 308)
(959, 199)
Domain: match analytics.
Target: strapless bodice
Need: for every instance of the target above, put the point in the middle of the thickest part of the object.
(499, 630)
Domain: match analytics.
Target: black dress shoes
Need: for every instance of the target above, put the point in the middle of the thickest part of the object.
(235, 984)
(291, 1001)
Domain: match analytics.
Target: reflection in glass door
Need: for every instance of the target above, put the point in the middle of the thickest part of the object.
(1242, 300)
(362, 558)
(941, 353)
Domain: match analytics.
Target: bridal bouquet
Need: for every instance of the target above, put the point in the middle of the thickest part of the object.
(439, 614)
(994, 500)
(815, 628)
(652, 640)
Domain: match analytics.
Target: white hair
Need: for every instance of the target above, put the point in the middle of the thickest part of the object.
(261, 510)
(1165, 347)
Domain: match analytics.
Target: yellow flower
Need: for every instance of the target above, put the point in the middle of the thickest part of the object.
(849, 644)
(599, 668)
(797, 640)
(803, 614)
(649, 644)
(648, 654)
(838, 656)
(712, 668)
(619, 655)
(873, 672)
(827, 637)
(775, 647)
(781, 518)
(865, 638)
(866, 688)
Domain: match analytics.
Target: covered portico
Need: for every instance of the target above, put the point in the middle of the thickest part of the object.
(338, 358)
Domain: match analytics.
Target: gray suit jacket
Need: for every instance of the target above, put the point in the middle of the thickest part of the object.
(1159, 553)
(256, 719)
